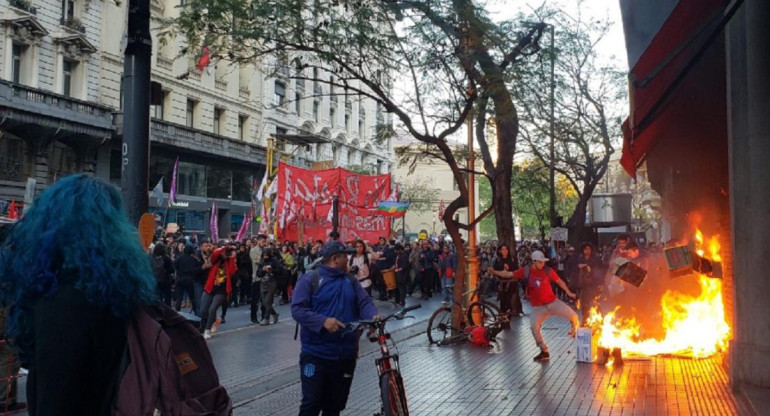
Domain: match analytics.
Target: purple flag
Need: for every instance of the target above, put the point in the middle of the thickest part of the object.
(245, 226)
(213, 223)
(172, 192)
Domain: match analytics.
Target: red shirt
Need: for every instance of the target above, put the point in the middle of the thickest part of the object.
(539, 286)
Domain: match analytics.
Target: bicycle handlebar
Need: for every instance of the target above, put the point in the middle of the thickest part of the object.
(397, 315)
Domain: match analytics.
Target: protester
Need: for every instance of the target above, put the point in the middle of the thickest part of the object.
(427, 260)
(544, 302)
(74, 270)
(219, 286)
(328, 358)
(245, 271)
(447, 266)
(163, 269)
(255, 254)
(269, 270)
(187, 267)
(590, 279)
(403, 268)
(360, 263)
(508, 290)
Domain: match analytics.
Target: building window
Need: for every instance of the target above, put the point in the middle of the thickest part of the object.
(361, 129)
(242, 127)
(67, 69)
(17, 52)
(159, 109)
(190, 120)
(218, 112)
(280, 94)
(332, 116)
(347, 122)
(67, 10)
(297, 102)
(316, 111)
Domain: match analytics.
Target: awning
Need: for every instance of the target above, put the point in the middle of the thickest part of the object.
(687, 32)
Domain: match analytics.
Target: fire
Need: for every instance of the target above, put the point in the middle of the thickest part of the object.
(694, 325)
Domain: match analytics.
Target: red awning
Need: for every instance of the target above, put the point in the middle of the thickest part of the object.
(687, 31)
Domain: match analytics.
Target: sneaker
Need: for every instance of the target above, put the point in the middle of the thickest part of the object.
(275, 319)
(543, 356)
(207, 334)
(264, 322)
(23, 372)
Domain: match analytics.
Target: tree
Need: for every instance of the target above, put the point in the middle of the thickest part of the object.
(421, 192)
(529, 190)
(451, 53)
(586, 107)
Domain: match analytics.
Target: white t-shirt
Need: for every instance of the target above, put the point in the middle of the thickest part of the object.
(363, 269)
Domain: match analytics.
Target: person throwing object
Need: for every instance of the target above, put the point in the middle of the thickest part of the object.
(544, 302)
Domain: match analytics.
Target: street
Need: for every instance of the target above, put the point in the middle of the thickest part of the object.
(258, 365)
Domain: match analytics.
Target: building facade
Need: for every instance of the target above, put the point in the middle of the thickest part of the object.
(61, 105)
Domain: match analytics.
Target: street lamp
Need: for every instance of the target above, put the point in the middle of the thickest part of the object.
(551, 170)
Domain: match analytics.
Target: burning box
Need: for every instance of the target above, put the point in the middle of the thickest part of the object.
(631, 273)
(586, 345)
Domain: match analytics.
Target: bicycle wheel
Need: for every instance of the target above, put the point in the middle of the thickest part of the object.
(393, 394)
(440, 325)
(488, 312)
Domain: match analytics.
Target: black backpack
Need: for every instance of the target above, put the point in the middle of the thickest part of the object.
(315, 281)
(159, 269)
(167, 366)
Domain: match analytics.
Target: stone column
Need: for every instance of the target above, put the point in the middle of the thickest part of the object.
(748, 55)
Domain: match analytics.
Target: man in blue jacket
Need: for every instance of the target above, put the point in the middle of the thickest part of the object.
(328, 355)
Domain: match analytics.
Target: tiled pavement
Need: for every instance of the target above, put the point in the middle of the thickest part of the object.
(469, 380)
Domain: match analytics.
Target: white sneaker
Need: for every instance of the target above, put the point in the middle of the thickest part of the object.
(207, 334)
(23, 371)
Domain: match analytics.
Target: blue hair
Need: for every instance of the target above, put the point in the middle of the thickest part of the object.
(77, 233)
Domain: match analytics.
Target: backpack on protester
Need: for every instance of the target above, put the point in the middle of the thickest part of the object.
(167, 366)
(159, 270)
(315, 281)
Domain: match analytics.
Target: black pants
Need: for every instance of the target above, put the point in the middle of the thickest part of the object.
(245, 289)
(510, 302)
(325, 385)
(256, 301)
(185, 286)
(402, 285)
(426, 282)
(164, 292)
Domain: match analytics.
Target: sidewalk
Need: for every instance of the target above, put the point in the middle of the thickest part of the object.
(470, 380)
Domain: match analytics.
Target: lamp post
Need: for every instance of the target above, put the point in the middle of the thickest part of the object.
(473, 262)
(551, 171)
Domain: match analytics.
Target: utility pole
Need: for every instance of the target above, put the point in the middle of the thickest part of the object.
(551, 171)
(136, 111)
(473, 261)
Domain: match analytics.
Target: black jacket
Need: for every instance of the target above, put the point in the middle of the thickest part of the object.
(187, 266)
(277, 269)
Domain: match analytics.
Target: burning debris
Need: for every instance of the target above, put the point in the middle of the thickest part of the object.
(689, 324)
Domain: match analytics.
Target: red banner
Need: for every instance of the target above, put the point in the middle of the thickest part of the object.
(304, 201)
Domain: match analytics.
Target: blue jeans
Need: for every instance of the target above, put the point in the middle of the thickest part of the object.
(445, 282)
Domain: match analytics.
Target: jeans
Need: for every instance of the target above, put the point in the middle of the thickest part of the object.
(185, 286)
(210, 304)
(198, 290)
(268, 295)
(543, 312)
(256, 301)
(446, 289)
(325, 385)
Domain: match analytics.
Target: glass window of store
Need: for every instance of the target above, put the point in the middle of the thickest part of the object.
(219, 182)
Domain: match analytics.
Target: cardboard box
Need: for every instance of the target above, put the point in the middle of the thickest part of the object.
(585, 350)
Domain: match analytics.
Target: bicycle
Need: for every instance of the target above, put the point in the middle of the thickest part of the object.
(392, 392)
(442, 331)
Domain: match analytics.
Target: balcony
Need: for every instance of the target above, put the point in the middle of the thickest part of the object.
(74, 24)
(175, 135)
(41, 115)
(243, 92)
(25, 5)
(165, 63)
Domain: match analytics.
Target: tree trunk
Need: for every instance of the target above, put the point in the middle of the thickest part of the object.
(461, 273)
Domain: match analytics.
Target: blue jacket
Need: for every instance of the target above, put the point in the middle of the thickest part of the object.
(337, 298)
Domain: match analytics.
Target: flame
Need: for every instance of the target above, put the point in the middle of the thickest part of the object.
(694, 325)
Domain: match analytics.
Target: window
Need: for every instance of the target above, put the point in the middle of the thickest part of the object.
(18, 53)
(297, 101)
(332, 116)
(280, 94)
(190, 119)
(67, 69)
(361, 128)
(67, 10)
(316, 111)
(219, 182)
(218, 120)
(158, 110)
(242, 127)
(347, 122)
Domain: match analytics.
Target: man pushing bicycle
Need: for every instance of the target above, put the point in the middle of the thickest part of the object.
(544, 302)
(324, 301)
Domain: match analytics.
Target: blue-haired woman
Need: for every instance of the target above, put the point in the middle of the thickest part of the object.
(74, 270)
